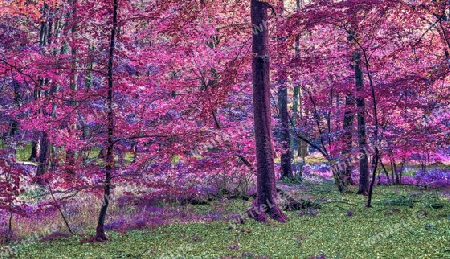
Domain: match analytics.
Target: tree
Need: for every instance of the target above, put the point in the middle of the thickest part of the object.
(266, 190)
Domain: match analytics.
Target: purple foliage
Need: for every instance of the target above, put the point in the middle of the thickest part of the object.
(408, 180)
(436, 177)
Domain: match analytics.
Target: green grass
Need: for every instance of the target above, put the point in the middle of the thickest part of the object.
(402, 224)
(24, 153)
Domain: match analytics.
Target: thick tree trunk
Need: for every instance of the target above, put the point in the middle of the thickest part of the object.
(100, 231)
(362, 138)
(266, 190)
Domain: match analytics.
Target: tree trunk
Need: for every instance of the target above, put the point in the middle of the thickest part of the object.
(362, 138)
(302, 146)
(286, 155)
(100, 231)
(266, 189)
(44, 155)
(348, 125)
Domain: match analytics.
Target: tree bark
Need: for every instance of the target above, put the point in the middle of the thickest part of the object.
(266, 190)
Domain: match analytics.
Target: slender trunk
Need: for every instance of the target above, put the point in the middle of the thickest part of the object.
(266, 189)
(362, 138)
(100, 231)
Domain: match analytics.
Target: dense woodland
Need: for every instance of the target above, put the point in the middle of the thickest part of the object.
(110, 103)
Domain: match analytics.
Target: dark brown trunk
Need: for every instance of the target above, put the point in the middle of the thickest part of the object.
(362, 138)
(100, 231)
(266, 189)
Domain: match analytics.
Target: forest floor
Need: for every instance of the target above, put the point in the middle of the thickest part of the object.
(404, 222)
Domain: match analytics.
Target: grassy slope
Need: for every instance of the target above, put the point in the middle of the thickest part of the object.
(391, 229)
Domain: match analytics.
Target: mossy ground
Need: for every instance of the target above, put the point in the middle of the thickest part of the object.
(405, 222)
